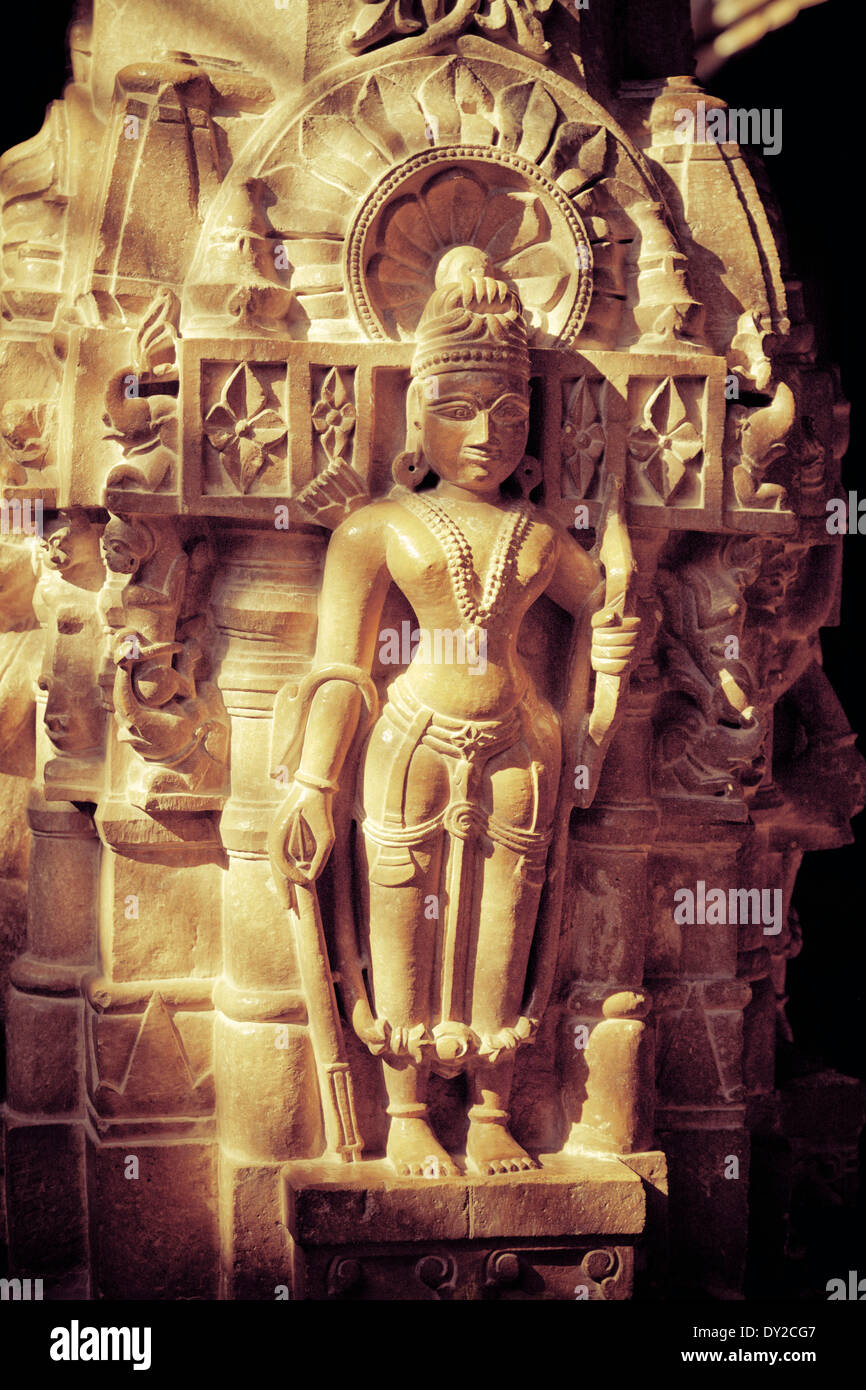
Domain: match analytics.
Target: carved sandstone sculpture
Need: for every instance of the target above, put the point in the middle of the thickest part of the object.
(459, 778)
(442, 278)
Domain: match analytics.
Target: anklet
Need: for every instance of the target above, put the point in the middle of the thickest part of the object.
(480, 1114)
(415, 1111)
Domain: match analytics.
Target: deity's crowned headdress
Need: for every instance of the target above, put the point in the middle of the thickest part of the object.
(471, 320)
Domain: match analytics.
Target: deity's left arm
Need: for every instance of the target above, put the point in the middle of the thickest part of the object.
(575, 587)
(578, 587)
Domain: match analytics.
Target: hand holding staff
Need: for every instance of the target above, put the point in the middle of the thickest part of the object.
(614, 631)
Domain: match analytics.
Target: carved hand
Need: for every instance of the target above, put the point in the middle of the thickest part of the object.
(614, 642)
(303, 834)
(508, 1039)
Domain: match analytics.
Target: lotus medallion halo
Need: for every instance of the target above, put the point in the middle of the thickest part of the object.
(519, 220)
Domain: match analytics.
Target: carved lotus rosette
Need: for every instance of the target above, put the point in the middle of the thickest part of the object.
(243, 426)
(474, 196)
(543, 181)
(665, 444)
(583, 436)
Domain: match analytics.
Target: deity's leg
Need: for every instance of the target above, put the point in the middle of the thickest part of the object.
(403, 923)
(413, 1148)
(520, 788)
(519, 792)
(509, 898)
(490, 1146)
(509, 906)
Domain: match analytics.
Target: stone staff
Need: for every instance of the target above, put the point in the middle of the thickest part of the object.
(291, 846)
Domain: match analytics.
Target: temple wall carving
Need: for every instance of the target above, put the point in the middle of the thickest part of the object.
(320, 920)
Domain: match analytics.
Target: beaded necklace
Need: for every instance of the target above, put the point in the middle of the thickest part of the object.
(458, 552)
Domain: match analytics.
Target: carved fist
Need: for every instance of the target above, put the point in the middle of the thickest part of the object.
(614, 642)
(508, 1039)
(303, 834)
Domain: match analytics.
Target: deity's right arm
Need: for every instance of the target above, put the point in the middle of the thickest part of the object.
(353, 592)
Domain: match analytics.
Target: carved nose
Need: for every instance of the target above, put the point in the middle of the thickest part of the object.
(480, 431)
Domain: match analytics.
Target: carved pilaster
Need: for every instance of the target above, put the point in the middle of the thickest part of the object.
(264, 609)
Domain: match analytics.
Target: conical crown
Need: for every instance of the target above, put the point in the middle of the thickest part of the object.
(470, 319)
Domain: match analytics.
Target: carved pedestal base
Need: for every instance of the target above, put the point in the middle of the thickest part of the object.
(566, 1232)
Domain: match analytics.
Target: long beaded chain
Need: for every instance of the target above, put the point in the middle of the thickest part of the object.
(458, 553)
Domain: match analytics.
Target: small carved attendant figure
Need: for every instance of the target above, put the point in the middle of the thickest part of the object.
(458, 779)
(24, 432)
(151, 553)
(172, 719)
(65, 601)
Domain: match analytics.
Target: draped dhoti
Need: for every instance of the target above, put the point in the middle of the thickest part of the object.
(416, 760)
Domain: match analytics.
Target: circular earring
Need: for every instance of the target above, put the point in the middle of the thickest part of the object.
(527, 475)
(408, 468)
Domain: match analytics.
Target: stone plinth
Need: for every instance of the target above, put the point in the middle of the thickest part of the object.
(565, 1231)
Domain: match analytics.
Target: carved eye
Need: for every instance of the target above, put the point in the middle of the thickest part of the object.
(457, 411)
(510, 414)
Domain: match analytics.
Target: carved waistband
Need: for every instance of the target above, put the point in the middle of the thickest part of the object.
(471, 739)
(471, 743)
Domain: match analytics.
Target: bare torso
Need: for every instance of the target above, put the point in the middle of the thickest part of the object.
(472, 688)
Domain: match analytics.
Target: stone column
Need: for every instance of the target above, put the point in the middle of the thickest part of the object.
(267, 1092)
(700, 1093)
(45, 1115)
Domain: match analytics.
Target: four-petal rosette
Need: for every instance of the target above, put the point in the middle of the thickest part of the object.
(245, 425)
(583, 436)
(664, 443)
(334, 416)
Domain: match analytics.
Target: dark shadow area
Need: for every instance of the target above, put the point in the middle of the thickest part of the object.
(807, 70)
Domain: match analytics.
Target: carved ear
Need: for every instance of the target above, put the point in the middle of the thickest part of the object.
(409, 468)
(413, 414)
(527, 475)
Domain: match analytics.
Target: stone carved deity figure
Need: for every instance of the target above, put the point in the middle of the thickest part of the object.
(458, 779)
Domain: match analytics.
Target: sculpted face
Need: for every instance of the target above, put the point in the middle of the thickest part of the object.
(473, 426)
(118, 548)
(56, 548)
(69, 545)
(118, 557)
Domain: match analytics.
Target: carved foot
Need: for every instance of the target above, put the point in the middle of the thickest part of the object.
(414, 1151)
(491, 1148)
